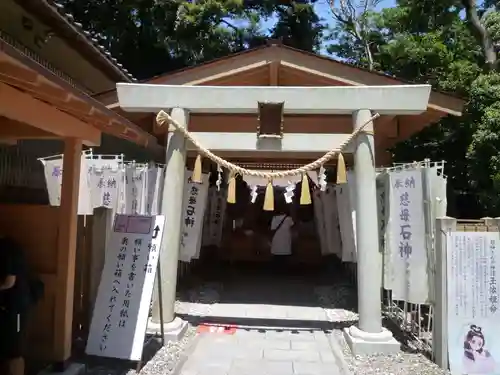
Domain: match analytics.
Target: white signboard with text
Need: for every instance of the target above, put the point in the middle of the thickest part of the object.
(472, 302)
(121, 310)
(407, 237)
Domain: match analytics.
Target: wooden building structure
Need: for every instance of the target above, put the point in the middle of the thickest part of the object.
(50, 68)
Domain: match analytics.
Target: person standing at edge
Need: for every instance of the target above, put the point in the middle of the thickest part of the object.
(281, 244)
(14, 302)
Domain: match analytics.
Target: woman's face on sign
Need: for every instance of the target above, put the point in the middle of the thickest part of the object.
(476, 343)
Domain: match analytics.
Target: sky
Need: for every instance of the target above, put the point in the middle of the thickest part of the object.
(322, 8)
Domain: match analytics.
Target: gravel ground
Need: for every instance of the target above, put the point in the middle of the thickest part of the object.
(165, 361)
(403, 363)
(161, 362)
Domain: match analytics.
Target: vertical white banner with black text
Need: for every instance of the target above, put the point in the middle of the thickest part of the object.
(195, 200)
(408, 244)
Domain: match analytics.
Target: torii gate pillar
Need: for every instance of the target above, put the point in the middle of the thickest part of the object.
(368, 336)
(171, 207)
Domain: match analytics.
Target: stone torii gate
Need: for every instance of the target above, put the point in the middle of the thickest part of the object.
(359, 102)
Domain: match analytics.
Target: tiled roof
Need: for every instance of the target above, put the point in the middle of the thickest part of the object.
(57, 15)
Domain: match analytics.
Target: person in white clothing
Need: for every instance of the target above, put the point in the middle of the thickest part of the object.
(281, 243)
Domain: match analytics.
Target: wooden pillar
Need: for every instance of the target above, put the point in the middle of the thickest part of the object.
(66, 251)
(102, 222)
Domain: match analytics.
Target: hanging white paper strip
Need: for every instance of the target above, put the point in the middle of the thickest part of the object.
(195, 198)
(408, 249)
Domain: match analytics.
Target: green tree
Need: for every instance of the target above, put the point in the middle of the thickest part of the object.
(151, 37)
(430, 42)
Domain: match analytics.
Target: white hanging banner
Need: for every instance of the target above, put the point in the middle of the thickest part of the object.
(53, 178)
(105, 177)
(319, 220)
(351, 185)
(383, 196)
(408, 248)
(122, 305)
(205, 237)
(121, 206)
(330, 211)
(158, 193)
(151, 187)
(134, 188)
(218, 207)
(438, 193)
(53, 169)
(347, 218)
(195, 200)
(473, 302)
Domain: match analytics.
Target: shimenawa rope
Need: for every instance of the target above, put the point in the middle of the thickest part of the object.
(164, 117)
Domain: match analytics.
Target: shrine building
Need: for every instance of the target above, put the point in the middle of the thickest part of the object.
(275, 105)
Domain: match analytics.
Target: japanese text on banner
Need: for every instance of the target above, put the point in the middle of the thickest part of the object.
(407, 233)
(194, 211)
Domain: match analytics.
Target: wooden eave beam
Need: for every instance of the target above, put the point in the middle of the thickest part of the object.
(13, 130)
(337, 71)
(19, 71)
(328, 70)
(22, 107)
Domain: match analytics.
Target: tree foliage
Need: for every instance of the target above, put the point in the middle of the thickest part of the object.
(151, 37)
(451, 44)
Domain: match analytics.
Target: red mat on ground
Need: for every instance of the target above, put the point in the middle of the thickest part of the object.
(208, 328)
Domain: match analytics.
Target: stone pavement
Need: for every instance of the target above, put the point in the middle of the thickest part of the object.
(264, 352)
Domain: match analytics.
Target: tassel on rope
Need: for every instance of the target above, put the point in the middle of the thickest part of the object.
(231, 189)
(196, 176)
(269, 197)
(305, 193)
(341, 171)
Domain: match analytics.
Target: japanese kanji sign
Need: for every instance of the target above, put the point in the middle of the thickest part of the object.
(123, 299)
(407, 236)
(195, 202)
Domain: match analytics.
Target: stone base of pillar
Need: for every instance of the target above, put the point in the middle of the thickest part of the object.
(365, 343)
(72, 369)
(173, 331)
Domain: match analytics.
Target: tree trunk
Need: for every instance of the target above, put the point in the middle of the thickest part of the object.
(484, 37)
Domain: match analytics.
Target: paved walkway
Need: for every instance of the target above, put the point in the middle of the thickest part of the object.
(254, 295)
(264, 352)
